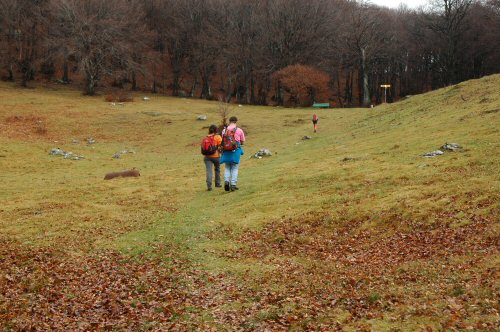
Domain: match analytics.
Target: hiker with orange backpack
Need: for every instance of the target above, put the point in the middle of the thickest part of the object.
(232, 140)
(210, 146)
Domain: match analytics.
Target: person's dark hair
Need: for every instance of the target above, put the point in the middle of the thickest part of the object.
(212, 129)
(233, 119)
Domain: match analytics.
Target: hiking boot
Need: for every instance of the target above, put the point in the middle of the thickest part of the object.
(209, 189)
(218, 185)
(234, 188)
(226, 186)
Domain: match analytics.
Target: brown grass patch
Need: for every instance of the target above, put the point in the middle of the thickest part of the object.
(24, 126)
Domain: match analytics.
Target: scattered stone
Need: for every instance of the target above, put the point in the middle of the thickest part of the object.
(128, 173)
(65, 155)
(91, 140)
(446, 147)
(240, 105)
(145, 98)
(306, 137)
(57, 152)
(201, 117)
(451, 147)
(119, 154)
(75, 141)
(348, 159)
(433, 154)
(262, 153)
(152, 113)
(72, 156)
(423, 165)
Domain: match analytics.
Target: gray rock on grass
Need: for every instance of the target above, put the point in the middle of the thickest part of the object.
(262, 153)
(119, 154)
(433, 154)
(201, 117)
(65, 155)
(57, 152)
(72, 156)
(451, 147)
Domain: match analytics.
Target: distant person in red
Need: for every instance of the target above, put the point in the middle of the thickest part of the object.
(315, 122)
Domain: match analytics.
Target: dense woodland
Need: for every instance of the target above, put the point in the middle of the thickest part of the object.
(286, 52)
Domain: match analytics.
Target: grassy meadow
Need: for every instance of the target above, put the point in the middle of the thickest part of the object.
(351, 230)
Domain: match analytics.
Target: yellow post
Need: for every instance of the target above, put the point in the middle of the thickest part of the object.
(385, 86)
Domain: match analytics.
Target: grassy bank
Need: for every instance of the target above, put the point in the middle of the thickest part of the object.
(352, 229)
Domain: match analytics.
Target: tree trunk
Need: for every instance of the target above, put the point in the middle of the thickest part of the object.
(65, 77)
(252, 90)
(11, 73)
(247, 91)
(366, 87)
(90, 86)
(26, 75)
(176, 83)
(348, 88)
(206, 92)
(339, 91)
(279, 97)
(193, 87)
(134, 82)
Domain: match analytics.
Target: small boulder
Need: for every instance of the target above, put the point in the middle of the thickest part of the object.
(57, 152)
(72, 156)
(201, 117)
(119, 154)
(451, 147)
(145, 98)
(306, 137)
(91, 140)
(433, 154)
(262, 153)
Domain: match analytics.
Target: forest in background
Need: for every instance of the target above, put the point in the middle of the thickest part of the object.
(281, 52)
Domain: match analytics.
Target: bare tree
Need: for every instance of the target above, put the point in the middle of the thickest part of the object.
(99, 34)
(449, 25)
(22, 26)
(363, 35)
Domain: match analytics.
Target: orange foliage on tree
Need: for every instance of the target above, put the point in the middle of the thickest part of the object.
(303, 85)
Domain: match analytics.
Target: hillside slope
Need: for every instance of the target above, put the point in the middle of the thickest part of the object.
(353, 229)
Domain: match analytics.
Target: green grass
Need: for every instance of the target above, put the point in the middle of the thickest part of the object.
(364, 166)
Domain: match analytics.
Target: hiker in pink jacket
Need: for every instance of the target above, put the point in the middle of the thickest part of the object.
(315, 122)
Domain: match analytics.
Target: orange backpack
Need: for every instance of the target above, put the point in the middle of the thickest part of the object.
(208, 146)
